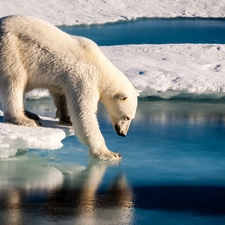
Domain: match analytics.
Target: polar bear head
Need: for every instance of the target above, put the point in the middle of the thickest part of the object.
(122, 108)
(116, 92)
(123, 112)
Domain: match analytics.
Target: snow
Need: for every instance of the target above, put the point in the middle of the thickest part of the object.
(160, 70)
(48, 136)
(37, 94)
(73, 12)
(166, 71)
(172, 70)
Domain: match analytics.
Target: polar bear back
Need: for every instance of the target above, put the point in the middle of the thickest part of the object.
(43, 34)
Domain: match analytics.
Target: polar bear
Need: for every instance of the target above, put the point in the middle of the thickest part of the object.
(35, 54)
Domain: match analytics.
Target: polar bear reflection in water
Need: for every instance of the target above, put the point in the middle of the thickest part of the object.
(45, 193)
(35, 54)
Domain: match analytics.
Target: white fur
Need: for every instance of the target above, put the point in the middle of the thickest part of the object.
(35, 54)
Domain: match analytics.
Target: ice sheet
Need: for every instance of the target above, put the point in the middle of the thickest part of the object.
(72, 12)
(48, 136)
(194, 70)
(166, 71)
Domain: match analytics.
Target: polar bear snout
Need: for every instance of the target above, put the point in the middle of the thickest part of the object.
(121, 131)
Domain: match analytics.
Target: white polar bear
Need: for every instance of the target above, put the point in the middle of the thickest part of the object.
(35, 54)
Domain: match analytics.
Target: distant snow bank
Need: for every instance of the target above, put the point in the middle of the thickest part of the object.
(172, 70)
(167, 71)
(71, 12)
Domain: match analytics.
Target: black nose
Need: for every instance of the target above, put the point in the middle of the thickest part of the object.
(118, 131)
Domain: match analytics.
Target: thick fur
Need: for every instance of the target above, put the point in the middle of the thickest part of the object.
(35, 54)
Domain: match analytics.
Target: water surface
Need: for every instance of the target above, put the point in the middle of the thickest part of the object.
(153, 31)
(172, 171)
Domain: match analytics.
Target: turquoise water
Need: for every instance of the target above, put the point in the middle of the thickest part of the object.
(153, 31)
(172, 171)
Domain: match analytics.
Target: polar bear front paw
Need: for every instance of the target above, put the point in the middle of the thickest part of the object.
(114, 156)
(110, 156)
(107, 155)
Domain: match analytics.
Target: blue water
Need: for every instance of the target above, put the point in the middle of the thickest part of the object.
(153, 31)
(172, 171)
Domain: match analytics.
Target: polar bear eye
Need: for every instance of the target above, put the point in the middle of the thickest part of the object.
(128, 118)
(121, 97)
(124, 98)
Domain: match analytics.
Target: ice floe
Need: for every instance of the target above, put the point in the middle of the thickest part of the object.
(191, 70)
(48, 136)
(166, 71)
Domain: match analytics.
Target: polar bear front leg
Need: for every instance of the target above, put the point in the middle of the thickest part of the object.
(83, 116)
(13, 103)
(89, 133)
(96, 142)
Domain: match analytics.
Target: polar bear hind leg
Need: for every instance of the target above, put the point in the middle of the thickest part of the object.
(12, 96)
(61, 106)
(32, 116)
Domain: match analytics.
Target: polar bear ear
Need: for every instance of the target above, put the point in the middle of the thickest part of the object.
(121, 96)
(138, 92)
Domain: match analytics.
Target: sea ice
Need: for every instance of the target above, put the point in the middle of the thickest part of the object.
(71, 12)
(194, 70)
(166, 71)
(48, 136)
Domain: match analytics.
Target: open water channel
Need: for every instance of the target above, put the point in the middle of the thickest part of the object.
(153, 31)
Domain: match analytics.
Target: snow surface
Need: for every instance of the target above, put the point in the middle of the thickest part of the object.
(172, 70)
(181, 70)
(72, 12)
(48, 136)
(162, 70)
